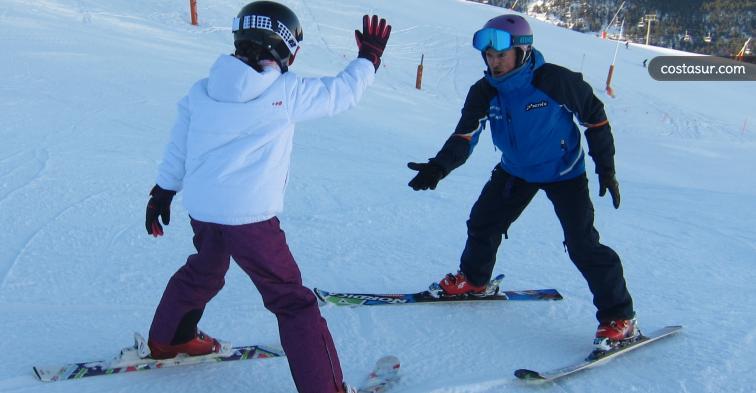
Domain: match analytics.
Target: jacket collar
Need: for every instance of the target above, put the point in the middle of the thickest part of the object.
(231, 80)
(518, 77)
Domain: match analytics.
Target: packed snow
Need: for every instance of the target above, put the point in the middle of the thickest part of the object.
(88, 96)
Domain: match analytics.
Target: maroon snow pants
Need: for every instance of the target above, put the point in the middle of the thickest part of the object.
(261, 251)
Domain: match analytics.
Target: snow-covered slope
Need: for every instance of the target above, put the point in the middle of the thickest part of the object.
(88, 95)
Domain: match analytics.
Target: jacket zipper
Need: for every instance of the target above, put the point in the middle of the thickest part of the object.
(510, 131)
(512, 137)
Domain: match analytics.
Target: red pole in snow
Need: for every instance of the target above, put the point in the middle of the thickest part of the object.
(419, 78)
(193, 10)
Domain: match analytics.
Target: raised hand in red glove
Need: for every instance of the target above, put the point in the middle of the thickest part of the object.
(373, 38)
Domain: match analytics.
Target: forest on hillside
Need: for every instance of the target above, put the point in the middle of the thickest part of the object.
(714, 27)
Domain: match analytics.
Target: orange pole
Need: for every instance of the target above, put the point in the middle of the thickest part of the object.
(609, 77)
(193, 10)
(419, 78)
(609, 81)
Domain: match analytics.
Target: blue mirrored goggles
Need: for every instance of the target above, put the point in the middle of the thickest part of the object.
(498, 40)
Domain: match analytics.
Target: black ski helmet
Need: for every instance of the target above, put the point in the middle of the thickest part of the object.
(272, 26)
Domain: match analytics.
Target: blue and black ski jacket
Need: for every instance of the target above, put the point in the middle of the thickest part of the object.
(531, 111)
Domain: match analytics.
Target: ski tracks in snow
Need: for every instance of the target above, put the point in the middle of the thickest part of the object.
(5, 271)
(17, 172)
(20, 169)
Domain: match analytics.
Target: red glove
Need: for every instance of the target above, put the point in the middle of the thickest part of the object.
(158, 206)
(373, 38)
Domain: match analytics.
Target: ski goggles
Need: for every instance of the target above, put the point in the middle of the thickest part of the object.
(499, 40)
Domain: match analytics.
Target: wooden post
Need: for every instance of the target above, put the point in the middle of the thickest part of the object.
(609, 89)
(419, 79)
(193, 11)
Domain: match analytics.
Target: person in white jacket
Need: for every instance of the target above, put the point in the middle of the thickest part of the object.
(229, 152)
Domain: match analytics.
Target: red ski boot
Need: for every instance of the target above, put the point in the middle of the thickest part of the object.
(457, 284)
(614, 333)
(201, 344)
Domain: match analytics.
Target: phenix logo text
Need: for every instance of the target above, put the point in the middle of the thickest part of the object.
(536, 105)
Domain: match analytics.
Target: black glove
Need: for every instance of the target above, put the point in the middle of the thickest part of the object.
(608, 181)
(158, 205)
(372, 40)
(427, 177)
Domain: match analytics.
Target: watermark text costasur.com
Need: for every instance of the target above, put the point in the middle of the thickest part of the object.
(700, 68)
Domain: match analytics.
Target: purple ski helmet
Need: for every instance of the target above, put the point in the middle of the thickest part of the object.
(504, 32)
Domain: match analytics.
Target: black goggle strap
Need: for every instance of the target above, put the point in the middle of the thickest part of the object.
(522, 40)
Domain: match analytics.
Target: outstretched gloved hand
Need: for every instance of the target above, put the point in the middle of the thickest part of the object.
(607, 181)
(373, 38)
(428, 175)
(159, 205)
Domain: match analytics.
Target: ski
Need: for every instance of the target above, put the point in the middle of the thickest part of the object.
(433, 295)
(596, 357)
(383, 377)
(129, 360)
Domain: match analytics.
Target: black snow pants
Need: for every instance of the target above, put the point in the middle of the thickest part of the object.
(504, 198)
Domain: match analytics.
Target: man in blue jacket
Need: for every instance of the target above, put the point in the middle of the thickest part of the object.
(530, 106)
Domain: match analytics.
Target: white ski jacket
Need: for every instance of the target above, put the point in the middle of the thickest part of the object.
(230, 148)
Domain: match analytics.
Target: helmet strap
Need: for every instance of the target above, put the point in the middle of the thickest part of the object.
(293, 55)
(523, 56)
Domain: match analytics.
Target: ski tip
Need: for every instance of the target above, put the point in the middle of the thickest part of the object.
(388, 361)
(44, 374)
(36, 373)
(383, 377)
(528, 375)
(321, 295)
